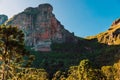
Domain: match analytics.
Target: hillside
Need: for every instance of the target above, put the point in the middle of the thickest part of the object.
(61, 54)
(111, 36)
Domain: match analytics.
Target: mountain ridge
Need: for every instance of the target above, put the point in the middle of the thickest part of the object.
(111, 36)
(3, 19)
(41, 27)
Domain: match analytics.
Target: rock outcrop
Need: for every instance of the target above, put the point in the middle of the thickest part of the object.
(3, 18)
(111, 36)
(41, 28)
(117, 21)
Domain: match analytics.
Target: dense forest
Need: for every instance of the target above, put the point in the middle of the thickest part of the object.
(85, 60)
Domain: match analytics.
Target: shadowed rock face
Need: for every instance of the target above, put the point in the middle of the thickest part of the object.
(41, 28)
(3, 18)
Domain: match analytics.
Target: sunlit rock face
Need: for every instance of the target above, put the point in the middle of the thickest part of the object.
(3, 18)
(116, 22)
(111, 36)
(41, 27)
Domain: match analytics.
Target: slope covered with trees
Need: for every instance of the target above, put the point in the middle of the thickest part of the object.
(70, 57)
(98, 61)
(63, 61)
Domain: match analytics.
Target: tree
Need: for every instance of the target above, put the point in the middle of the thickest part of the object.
(116, 70)
(108, 72)
(87, 72)
(12, 50)
(31, 74)
(83, 69)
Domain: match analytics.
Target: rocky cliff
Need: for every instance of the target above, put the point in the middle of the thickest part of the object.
(3, 18)
(41, 27)
(111, 36)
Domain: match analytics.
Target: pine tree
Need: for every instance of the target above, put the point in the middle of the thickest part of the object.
(12, 50)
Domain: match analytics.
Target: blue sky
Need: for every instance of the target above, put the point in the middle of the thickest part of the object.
(83, 17)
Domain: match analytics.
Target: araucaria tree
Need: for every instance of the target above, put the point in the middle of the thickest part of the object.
(12, 50)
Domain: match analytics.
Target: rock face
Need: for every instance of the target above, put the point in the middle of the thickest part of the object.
(111, 36)
(3, 18)
(41, 28)
(116, 22)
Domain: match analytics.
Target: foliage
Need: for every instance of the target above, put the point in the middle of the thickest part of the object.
(12, 49)
(30, 74)
(85, 72)
(68, 55)
(109, 72)
(59, 75)
(59, 63)
(112, 72)
(13, 53)
(116, 67)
